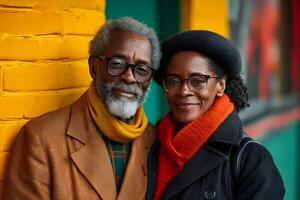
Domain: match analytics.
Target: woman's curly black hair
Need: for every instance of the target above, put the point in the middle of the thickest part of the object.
(235, 87)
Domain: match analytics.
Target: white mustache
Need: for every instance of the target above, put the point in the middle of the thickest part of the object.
(128, 88)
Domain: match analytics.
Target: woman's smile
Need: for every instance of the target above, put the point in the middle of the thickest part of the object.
(186, 106)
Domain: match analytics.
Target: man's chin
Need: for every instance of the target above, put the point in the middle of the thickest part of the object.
(119, 102)
(122, 107)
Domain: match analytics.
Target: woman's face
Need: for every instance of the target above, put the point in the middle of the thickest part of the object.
(187, 105)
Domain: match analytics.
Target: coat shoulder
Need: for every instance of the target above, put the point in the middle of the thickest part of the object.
(55, 123)
(52, 122)
(255, 154)
(259, 169)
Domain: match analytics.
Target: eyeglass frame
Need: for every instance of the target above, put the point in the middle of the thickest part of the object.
(132, 66)
(207, 77)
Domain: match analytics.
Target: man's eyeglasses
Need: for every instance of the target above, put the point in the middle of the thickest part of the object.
(195, 82)
(117, 66)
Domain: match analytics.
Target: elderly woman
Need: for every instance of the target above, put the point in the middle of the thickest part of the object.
(202, 151)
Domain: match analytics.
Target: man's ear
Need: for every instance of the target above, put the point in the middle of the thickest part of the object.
(221, 87)
(92, 67)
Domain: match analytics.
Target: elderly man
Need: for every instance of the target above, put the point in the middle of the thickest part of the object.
(97, 147)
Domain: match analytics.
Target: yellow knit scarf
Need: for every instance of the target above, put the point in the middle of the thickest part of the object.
(112, 127)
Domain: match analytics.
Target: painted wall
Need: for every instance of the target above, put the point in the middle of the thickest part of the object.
(279, 133)
(206, 14)
(284, 144)
(43, 59)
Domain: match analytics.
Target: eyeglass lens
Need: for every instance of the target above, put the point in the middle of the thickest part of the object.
(118, 66)
(195, 83)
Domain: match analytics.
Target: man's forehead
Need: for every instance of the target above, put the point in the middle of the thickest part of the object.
(119, 35)
(128, 43)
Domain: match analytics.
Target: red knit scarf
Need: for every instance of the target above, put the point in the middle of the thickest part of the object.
(177, 149)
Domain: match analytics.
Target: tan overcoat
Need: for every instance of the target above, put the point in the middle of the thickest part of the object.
(61, 155)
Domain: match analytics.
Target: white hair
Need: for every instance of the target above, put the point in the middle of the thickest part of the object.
(102, 37)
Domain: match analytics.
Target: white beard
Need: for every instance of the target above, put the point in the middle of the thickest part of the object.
(121, 107)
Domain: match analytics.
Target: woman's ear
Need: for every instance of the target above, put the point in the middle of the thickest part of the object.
(92, 67)
(221, 87)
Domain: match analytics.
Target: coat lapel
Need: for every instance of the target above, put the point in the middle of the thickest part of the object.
(202, 163)
(91, 158)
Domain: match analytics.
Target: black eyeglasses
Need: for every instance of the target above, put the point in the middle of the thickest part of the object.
(195, 82)
(117, 66)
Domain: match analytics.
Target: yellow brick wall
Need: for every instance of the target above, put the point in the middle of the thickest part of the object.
(43, 59)
(206, 14)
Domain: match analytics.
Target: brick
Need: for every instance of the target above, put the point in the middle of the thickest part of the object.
(29, 105)
(88, 4)
(20, 3)
(22, 21)
(64, 47)
(37, 76)
(1, 79)
(29, 48)
(8, 132)
(82, 21)
(18, 47)
(45, 5)
(55, 5)
(3, 163)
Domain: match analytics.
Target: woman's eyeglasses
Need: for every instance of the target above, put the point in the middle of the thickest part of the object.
(195, 82)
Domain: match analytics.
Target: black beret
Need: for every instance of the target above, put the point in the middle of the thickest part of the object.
(208, 43)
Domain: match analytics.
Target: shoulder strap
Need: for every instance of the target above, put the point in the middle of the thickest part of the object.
(245, 141)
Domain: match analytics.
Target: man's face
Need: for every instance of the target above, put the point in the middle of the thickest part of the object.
(123, 94)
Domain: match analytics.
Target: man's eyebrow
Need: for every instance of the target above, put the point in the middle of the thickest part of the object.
(139, 61)
(119, 56)
(143, 62)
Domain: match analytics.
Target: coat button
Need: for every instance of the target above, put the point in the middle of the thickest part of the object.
(209, 194)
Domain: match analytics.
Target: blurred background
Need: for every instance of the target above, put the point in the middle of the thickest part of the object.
(44, 50)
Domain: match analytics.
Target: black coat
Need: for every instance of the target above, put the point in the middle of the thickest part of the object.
(209, 174)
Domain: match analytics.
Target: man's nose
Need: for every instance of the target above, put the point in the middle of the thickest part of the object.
(128, 76)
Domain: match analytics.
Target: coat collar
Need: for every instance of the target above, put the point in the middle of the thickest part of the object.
(230, 131)
(93, 161)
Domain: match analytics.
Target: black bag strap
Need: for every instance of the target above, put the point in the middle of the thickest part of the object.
(246, 140)
(236, 155)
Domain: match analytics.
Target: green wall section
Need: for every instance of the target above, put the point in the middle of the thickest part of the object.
(284, 147)
(144, 10)
(164, 17)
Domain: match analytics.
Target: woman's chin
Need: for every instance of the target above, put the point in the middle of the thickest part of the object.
(185, 118)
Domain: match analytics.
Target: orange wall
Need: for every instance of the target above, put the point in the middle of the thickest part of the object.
(43, 59)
